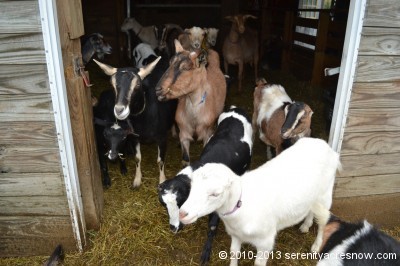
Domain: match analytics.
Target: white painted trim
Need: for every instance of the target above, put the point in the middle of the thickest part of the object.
(347, 72)
(55, 69)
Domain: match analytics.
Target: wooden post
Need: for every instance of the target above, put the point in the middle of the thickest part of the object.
(287, 40)
(320, 46)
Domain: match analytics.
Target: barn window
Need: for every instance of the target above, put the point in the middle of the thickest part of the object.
(310, 9)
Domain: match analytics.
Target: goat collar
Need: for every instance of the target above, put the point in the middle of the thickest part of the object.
(203, 98)
(237, 206)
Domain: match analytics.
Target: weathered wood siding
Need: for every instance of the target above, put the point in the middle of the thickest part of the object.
(371, 145)
(34, 212)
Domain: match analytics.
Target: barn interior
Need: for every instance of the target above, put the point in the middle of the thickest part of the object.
(298, 40)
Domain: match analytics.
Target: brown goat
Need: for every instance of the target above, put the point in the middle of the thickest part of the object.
(280, 121)
(201, 92)
(241, 46)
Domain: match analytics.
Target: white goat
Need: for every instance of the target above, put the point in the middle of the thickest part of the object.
(280, 121)
(294, 186)
(146, 34)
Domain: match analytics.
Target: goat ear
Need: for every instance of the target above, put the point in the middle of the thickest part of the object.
(144, 71)
(249, 16)
(109, 70)
(261, 81)
(178, 46)
(230, 18)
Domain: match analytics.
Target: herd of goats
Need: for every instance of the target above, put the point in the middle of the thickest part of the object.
(177, 85)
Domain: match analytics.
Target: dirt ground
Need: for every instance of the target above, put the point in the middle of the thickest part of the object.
(135, 228)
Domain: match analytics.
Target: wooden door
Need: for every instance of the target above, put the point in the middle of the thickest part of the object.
(71, 28)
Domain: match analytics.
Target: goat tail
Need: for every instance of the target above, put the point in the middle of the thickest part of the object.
(56, 257)
(321, 213)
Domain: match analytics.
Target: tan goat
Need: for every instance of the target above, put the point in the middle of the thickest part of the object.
(201, 92)
(241, 46)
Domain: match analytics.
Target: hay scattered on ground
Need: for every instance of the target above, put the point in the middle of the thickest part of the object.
(135, 228)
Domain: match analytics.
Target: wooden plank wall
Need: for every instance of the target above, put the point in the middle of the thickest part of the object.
(34, 213)
(371, 145)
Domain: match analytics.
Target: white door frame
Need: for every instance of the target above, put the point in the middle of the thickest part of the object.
(55, 69)
(347, 72)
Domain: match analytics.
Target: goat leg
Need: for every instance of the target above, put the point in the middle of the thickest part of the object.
(162, 147)
(104, 170)
(122, 166)
(213, 221)
(185, 145)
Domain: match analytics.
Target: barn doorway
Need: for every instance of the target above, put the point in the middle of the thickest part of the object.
(283, 60)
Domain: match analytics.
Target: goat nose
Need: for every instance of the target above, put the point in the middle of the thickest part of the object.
(119, 109)
(112, 155)
(173, 228)
(182, 214)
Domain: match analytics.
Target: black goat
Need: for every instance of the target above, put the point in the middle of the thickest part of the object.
(166, 34)
(231, 145)
(111, 135)
(357, 244)
(94, 44)
(136, 101)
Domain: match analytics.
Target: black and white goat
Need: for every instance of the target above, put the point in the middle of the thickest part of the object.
(357, 244)
(294, 186)
(111, 135)
(136, 101)
(94, 44)
(230, 145)
(279, 120)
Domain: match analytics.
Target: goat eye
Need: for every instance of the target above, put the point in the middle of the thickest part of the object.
(186, 67)
(214, 195)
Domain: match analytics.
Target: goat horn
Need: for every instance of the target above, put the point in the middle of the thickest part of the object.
(109, 70)
(249, 16)
(178, 46)
(144, 71)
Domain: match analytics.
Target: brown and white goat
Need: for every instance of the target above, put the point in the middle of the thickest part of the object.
(192, 38)
(280, 121)
(241, 46)
(201, 92)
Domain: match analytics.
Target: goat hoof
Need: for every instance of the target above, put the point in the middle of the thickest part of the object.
(136, 183)
(315, 247)
(106, 183)
(124, 171)
(304, 229)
